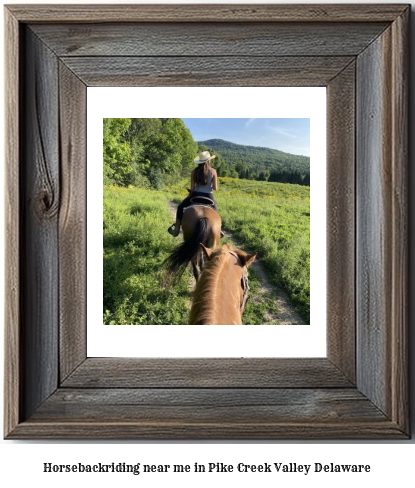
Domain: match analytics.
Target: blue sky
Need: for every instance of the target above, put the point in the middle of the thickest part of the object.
(288, 135)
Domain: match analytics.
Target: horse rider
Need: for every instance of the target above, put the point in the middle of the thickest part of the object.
(203, 181)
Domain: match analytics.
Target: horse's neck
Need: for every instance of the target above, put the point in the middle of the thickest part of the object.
(221, 296)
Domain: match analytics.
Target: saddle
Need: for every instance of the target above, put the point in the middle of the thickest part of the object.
(201, 202)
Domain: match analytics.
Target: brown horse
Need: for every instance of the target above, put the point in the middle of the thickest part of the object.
(222, 291)
(201, 225)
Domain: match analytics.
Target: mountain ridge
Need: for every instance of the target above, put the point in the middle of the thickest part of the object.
(257, 162)
(217, 141)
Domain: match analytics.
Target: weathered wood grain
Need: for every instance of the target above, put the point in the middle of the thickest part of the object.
(40, 205)
(209, 431)
(382, 222)
(209, 405)
(12, 371)
(147, 429)
(206, 373)
(400, 233)
(206, 399)
(237, 39)
(220, 13)
(72, 222)
(341, 238)
(240, 71)
(375, 224)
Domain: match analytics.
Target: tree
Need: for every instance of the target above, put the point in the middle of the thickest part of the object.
(264, 175)
(159, 148)
(117, 152)
(146, 151)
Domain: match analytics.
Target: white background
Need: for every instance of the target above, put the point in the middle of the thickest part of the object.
(21, 463)
(181, 340)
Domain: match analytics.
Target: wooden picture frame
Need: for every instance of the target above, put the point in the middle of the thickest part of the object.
(360, 53)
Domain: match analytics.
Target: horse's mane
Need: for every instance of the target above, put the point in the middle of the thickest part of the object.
(206, 288)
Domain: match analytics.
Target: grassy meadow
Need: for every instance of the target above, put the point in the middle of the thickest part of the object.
(272, 219)
(135, 245)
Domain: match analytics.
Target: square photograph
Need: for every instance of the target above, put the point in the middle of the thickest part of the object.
(206, 221)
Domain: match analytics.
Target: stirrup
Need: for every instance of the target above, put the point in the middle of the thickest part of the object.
(222, 234)
(171, 231)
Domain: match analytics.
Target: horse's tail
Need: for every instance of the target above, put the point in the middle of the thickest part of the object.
(183, 254)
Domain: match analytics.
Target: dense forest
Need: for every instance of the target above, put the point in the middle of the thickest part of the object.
(146, 152)
(153, 152)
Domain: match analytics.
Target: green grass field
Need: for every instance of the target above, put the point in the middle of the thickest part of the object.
(272, 219)
(135, 245)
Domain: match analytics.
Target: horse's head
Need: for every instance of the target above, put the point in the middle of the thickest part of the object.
(238, 275)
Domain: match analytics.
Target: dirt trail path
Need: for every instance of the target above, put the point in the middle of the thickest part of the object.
(286, 312)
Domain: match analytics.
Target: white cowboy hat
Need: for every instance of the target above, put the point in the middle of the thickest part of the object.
(203, 157)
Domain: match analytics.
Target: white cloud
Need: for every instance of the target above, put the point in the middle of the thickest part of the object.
(282, 132)
(249, 122)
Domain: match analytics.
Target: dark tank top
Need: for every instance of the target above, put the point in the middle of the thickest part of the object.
(205, 188)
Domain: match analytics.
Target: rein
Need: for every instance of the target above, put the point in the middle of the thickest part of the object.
(244, 281)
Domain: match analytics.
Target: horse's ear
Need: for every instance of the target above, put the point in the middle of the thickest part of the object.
(250, 258)
(207, 252)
